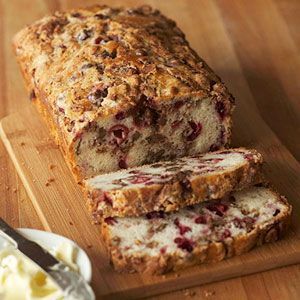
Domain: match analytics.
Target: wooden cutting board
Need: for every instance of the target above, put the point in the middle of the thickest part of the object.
(61, 207)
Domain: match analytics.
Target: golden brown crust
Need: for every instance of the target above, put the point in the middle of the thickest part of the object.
(128, 54)
(212, 252)
(137, 201)
(167, 59)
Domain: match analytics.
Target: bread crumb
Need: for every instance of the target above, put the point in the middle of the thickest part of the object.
(51, 179)
(89, 246)
(22, 144)
(51, 166)
(15, 190)
(189, 293)
(7, 187)
(208, 293)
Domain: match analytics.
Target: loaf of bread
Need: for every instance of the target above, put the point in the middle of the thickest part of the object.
(207, 232)
(171, 185)
(121, 88)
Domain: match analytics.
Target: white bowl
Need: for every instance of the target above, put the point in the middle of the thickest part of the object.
(49, 240)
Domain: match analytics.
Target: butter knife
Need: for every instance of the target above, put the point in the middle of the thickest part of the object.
(71, 283)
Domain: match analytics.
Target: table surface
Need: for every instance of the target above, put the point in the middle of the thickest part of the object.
(259, 39)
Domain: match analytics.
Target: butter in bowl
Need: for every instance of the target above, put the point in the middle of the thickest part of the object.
(22, 278)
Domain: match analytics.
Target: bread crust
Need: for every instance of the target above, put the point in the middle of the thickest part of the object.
(212, 252)
(172, 196)
(50, 50)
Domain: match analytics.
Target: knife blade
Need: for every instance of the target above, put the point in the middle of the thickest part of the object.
(71, 283)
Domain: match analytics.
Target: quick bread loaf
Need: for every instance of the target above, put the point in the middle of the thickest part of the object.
(121, 88)
(171, 185)
(208, 232)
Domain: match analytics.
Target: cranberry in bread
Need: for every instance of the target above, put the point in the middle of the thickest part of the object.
(171, 185)
(121, 88)
(208, 232)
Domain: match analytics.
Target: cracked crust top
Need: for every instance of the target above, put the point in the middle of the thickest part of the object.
(97, 61)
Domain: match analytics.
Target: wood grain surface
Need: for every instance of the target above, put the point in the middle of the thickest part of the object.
(254, 47)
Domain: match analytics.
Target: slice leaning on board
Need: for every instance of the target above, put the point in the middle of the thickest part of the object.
(207, 232)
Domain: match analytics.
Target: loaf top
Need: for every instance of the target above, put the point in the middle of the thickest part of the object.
(100, 61)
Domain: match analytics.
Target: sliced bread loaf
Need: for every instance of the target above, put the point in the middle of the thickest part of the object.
(207, 232)
(171, 185)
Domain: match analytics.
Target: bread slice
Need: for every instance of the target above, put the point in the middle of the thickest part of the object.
(121, 87)
(171, 185)
(207, 232)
